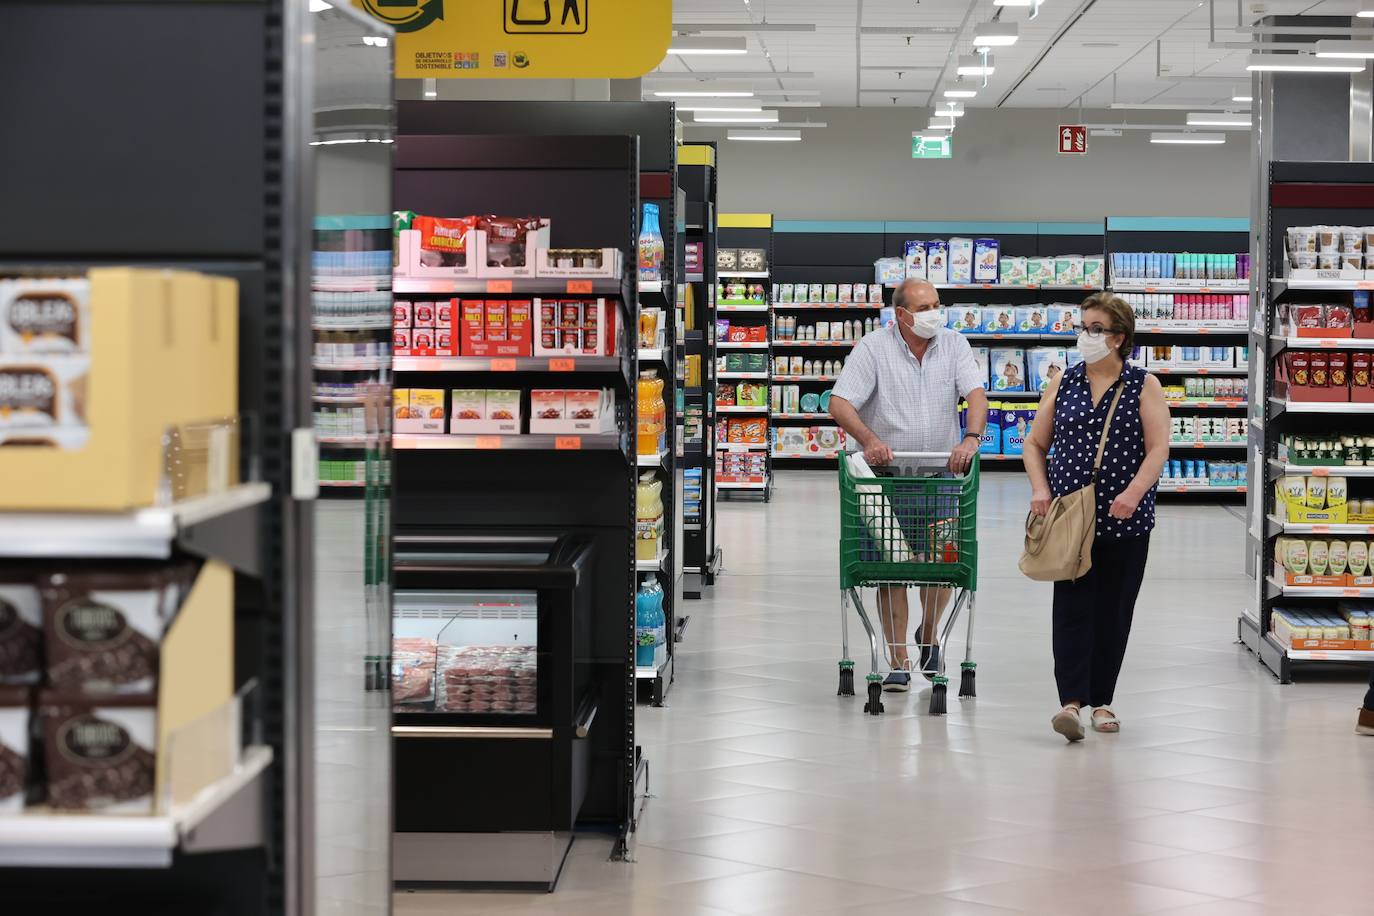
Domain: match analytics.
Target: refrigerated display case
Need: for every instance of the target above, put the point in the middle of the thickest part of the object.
(493, 702)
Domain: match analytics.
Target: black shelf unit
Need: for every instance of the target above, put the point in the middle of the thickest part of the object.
(1297, 193)
(697, 177)
(588, 186)
(215, 179)
(746, 231)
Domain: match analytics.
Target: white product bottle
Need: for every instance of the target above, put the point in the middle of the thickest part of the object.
(808, 368)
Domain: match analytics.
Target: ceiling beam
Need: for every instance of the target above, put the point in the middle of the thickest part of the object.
(729, 75)
(688, 28)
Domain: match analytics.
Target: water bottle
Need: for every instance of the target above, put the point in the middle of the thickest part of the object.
(651, 628)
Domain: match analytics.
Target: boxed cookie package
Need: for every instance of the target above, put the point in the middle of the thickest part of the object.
(21, 629)
(14, 748)
(100, 753)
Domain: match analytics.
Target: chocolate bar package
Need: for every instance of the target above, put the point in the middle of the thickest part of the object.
(100, 752)
(103, 628)
(43, 401)
(21, 629)
(14, 748)
(45, 316)
(506, 244)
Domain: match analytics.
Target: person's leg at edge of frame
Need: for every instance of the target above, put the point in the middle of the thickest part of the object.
(1123, 571)
(1074, 604)
(1365, 724)
(893, 613)
(934, 603)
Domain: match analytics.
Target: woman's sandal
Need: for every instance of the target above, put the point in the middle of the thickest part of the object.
(1107, 722)
(1067, 723)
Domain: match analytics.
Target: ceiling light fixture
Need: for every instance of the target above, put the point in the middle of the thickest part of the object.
(975, 65)
(960, 93)
(1033, 4)
(319, 6)
(1244, 99)
(950, 110)
(743, 117)
(995, 35)
(1298, 63)
(1345, 50)
(938, 124)
(1213, 119)
(376, 41)
(720, 45)
(773, 136)
(742, 106)
(1366, 13)
(1186, 139)
(694, 94)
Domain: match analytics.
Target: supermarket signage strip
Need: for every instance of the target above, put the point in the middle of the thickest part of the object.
(1325, 343)
(1166, 285)
(1332, 284)
(1358, 470)
(759, 485)
(650, 355)
(741, 345)
(1321, 406)
(762, 375)
(1305, 528)
(802, 378)
(792, 306)
(816, 343)
(741, 446)
(735, 408)
(1071, 286)
(508, 364)
(742, 308)
(1321, 591)
(529, 441)
(743, 274)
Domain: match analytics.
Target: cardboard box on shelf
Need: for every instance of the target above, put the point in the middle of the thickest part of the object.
(438, 248)
(572, 412)
(581, 262)
(511, 245)
(423, 413)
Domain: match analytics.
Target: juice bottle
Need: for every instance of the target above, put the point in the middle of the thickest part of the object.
(652, 414)
(650, 245)
(648, 516)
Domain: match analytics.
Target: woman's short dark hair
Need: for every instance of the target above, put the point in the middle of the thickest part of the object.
(1123, 318)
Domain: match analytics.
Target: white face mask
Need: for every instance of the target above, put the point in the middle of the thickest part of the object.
(927, 324)
(1093, 349)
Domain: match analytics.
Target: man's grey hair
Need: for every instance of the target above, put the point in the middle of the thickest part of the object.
(902, 296)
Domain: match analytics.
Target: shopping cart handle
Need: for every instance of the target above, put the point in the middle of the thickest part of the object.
(931, 455)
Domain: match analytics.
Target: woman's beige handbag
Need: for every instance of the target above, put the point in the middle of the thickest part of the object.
(1059, 546)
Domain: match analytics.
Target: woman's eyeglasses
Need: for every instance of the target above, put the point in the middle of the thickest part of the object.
(1095, 331)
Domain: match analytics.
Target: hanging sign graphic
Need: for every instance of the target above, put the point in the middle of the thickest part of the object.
(926, 147)
(526, 39)
(1073, 139)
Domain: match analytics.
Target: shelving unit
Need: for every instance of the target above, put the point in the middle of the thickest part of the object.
(1297, 194)
(697, 179)
(747, 230)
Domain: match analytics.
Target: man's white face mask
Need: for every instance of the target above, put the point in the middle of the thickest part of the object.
(928, 323)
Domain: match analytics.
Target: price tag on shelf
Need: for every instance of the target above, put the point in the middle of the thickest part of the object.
(1350, 592)
(580, 287)
(1321, 529)
(503, 365)
(487, 442)
(567, 443)
(562, 364)
(1321, 472)
(500, 286)
(1364, 284)
(1204, 330)
(1330, 343)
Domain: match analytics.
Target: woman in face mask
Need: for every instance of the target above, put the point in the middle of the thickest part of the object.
(1092, 614)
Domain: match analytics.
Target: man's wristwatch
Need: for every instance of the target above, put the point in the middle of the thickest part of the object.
(975, 436)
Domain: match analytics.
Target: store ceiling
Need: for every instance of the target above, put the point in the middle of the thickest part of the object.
(1070, 50)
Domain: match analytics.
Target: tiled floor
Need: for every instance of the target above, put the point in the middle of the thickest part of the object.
(1225, 794)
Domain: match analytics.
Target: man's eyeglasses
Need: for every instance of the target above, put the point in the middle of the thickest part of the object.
(1095, 331)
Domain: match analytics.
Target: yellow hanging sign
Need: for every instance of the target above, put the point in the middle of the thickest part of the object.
(526, 39)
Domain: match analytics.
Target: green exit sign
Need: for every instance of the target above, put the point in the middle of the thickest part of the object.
(930, 147)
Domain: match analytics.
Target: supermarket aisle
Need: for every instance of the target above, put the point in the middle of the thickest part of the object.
(1224, 794)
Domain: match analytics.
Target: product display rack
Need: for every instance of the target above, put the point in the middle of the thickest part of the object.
(1298, 194)
(754, 231)
(697, 178)
(661, 188)
(517, 488)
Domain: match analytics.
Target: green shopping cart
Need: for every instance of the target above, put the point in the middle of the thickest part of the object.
(915, 526)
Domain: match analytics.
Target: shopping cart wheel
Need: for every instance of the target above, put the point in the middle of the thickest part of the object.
(874, 706)
(937, 695)
(846, 679)
(966, 685)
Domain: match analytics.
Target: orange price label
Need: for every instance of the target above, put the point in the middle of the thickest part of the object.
(1203, 330)
(1329, 343)
(488, 442)
(1202, 372)
(503, 365)
(568, 443)
(563, 364)
(1321, 529)
(1350, 592)
(500, 286)
(580, 287)
(1199, 445)
(1364, 285)
(1321, 472)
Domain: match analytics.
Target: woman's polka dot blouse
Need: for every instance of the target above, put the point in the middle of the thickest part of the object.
(1078, 429)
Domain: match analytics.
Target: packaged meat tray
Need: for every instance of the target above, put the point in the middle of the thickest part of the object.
(413, 662)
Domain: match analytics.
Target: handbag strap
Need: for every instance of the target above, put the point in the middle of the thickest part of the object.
(1107, 427)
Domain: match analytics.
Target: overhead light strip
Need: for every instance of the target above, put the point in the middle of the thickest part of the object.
(1188, 139)
(995, 34)
(766, 136)
(1298, 63)
(1212, 119)
(682, 45)
(756, 117)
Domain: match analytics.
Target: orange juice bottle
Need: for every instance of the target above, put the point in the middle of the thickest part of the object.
(652, 414)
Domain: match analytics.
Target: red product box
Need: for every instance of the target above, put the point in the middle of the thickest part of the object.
(424, 315)
(401, 314)
(520, 327)
(444, 342)
(591, 327)
(422, 342)
(570, 315)
(443, 314)
(1338, 370)
(737, 334)
(496, 321)
(400, 341)
(472, 339)
(1320, 376)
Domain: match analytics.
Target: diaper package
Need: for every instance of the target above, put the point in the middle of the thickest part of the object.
(1039, 271)
(991, 443)
(1008, 368)
(985, 258)
(980, 357)
(1016, 424)
(1094, 271)
(999, 319)
(960, 260)
(1032, 319)
(1012, 271)
(966, 319)
(1068, 270)
(1062, 318)
(1044, 364)
(915, 253)
(937, 261)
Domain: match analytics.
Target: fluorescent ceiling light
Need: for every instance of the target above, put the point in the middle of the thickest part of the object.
(973, 65)
(376, 41)
(1298, 63)
(742, 117)
(995, 34)
(1013, 2)
(1243, 98)
(742, 106)
(940, 124)
(1195, 139)
(950, 110)
(319, 6)
(1345, 50)
(1366, 13)
(774, 136)
(1213, 119)
(960, 93)
(721, 45)
(694, 94)
(688, 28)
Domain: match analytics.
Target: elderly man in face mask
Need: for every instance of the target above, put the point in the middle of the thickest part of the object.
(900, 391)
